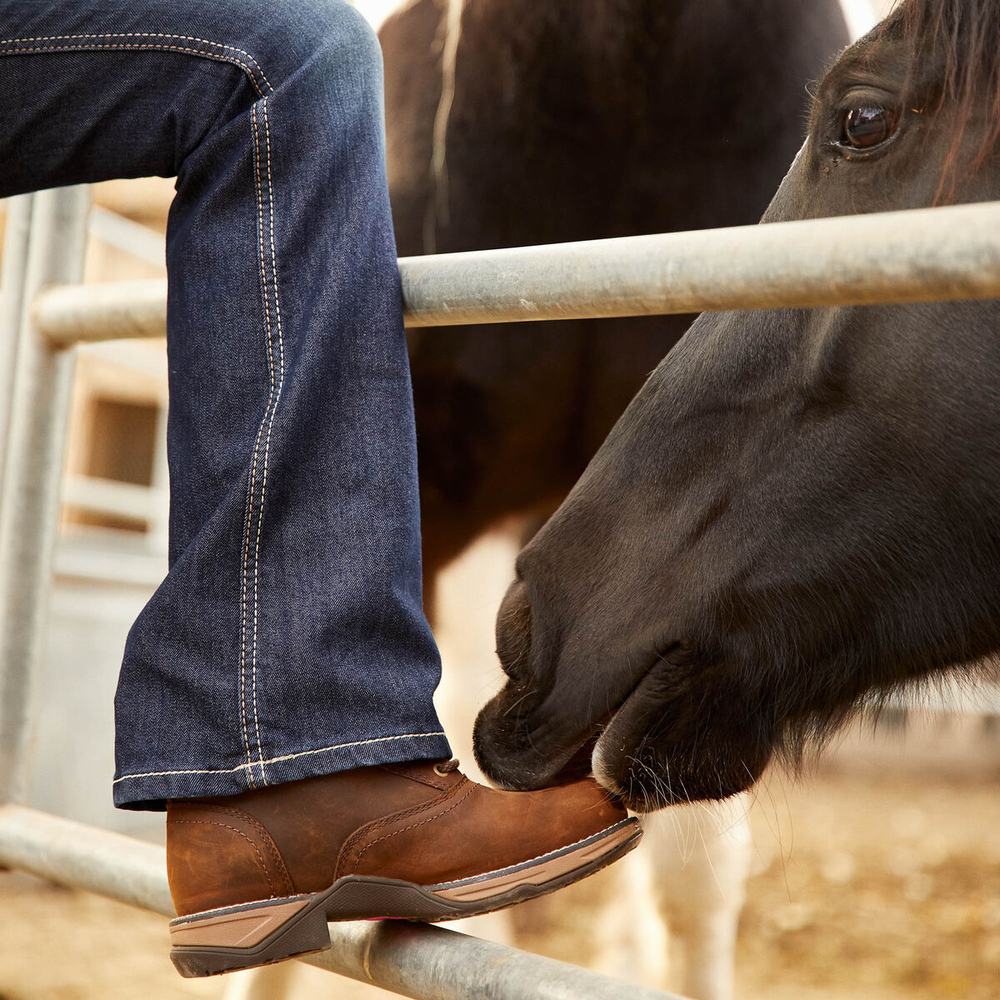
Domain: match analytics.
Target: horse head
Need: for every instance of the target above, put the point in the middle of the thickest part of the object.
(798, 512)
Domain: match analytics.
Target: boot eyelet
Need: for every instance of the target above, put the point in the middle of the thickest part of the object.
(439, 772)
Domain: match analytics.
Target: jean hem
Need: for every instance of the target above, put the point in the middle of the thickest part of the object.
(150, 791)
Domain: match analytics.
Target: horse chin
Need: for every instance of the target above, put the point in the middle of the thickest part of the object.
(650, 778)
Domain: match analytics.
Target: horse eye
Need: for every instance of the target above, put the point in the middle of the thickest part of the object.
(868, 126)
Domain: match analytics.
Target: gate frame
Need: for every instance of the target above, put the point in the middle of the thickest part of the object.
(920, 255)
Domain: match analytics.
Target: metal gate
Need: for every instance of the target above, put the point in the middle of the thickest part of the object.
(928, 254)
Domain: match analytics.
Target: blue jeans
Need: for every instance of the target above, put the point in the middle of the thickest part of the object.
(288, 639)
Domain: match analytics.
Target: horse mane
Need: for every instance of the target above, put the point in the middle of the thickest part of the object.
(966, 34)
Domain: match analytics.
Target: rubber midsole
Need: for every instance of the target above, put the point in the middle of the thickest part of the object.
(242, 929)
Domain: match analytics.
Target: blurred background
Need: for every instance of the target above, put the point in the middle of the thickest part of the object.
(876, 873)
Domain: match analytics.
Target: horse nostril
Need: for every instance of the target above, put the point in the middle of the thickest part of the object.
(514, 630)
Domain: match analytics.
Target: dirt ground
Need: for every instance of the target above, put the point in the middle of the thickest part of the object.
(878, 876)
(889, 887)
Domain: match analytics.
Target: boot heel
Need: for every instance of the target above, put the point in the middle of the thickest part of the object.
(240, 937)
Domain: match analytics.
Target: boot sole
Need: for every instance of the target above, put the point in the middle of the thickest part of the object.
(271, 930)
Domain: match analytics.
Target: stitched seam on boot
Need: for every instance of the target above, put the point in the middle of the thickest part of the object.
(369, 829)
(413, 826)
(225, 826)
(266, 841)
(420, 807)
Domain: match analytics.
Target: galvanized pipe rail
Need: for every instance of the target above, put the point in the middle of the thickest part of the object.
(888, 257)
(15, 260)
(31, 457)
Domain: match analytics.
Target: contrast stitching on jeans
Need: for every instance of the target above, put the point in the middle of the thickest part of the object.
(283, 758)
(127, 47)
(142, 34)
(270, 423)
(262, 864)
(252, 476)
(252, 482)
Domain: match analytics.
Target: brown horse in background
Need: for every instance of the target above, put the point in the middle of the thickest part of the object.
(516, 122)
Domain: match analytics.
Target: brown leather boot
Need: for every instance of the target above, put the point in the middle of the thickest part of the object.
(256, 877)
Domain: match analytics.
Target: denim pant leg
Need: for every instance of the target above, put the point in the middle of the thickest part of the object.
(288, 638)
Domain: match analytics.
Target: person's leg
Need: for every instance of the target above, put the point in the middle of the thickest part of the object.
(286, 651)
(288, 639)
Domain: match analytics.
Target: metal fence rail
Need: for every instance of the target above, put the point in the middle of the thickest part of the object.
(31, 456)
(912, 256)
(937, 254)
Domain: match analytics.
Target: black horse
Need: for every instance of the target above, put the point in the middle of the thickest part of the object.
(798, 512)
(524, 122)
